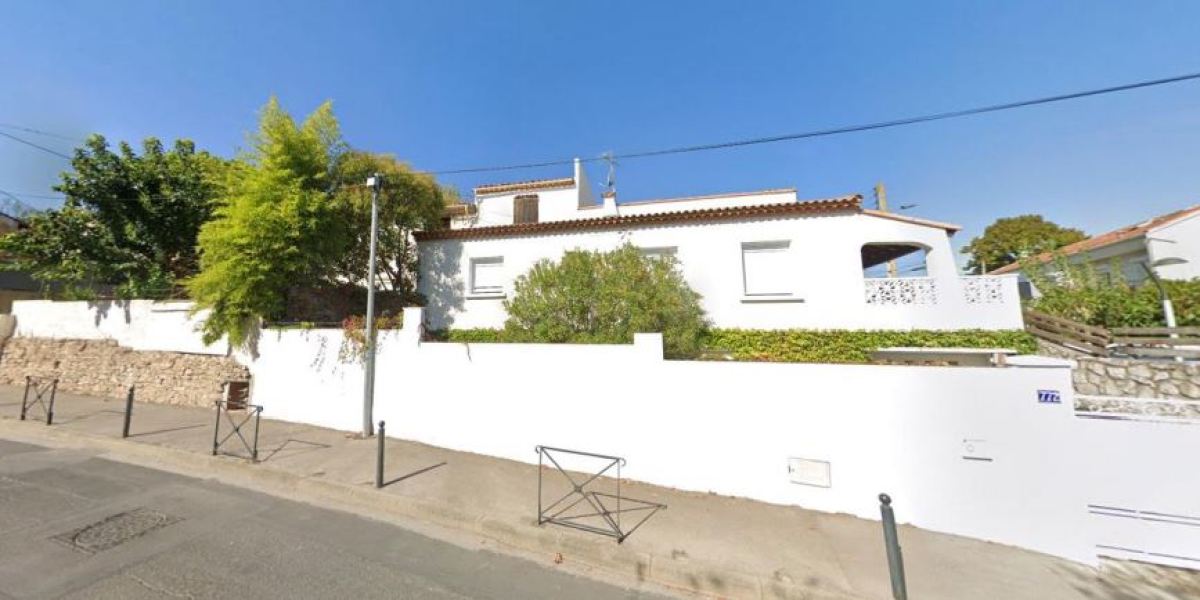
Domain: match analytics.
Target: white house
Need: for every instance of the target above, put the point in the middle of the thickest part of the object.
(1168, 244)
(763, 260)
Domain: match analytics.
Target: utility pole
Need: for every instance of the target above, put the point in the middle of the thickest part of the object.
(375, 181)
(881, 205)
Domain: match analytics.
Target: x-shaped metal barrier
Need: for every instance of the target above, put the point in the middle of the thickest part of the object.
(601, 512)
(41, 387)
(253, 412)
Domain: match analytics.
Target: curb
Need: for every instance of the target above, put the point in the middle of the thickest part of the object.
(621, 564)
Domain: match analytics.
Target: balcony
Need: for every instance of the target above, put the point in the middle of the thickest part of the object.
(984, 301)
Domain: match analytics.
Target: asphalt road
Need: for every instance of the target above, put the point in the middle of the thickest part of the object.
(76, 526)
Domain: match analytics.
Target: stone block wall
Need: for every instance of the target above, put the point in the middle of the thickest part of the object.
(1157, 388)
(1137, 378)
(103, 368)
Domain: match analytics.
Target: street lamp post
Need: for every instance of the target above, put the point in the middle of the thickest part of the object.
(1168, 308)
(375, 181)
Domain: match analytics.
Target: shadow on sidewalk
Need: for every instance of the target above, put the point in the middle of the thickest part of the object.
(414, 473)
(168, 430)
(303, 446)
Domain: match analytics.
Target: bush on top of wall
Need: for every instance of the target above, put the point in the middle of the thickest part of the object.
(847, 346)
(801, 345)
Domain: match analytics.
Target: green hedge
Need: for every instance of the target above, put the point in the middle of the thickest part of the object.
(844, 346)
(802, 345)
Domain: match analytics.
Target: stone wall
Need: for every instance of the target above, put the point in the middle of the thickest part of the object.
(1137, 378)
(103, 368)
(1127, 377)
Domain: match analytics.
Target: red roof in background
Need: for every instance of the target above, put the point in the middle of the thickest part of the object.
(1106, 239)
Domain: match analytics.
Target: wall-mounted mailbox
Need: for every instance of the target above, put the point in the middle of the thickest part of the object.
(807, 471)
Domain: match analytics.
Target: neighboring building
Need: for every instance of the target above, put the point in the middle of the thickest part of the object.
(760, 259)
(1168, 244)
(15, 285)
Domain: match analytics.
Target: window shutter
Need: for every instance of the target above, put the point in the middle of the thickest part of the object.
(487, 275)
(766, 269)
(525, 209)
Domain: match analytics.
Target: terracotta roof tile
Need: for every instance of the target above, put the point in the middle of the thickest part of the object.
(520, 186)
(1105, 239)
(845, 204)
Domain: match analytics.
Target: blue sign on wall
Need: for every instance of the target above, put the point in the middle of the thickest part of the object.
(1049, 397)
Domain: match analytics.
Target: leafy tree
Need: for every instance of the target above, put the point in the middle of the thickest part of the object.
(129, 220)
(606, 297)
(408, 201)
(1009, 239)
(280, 223)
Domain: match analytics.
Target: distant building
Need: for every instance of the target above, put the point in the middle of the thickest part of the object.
(1168, 245)
(760, 259)
(15, 285)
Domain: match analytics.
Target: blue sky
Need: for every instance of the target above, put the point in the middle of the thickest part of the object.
(460, 84)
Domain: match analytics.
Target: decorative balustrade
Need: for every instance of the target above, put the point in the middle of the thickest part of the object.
(901, 291)
(983, 289)
(916, 291)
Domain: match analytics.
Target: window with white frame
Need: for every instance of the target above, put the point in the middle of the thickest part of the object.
(658, 251)
(487, 276)
(767, 268)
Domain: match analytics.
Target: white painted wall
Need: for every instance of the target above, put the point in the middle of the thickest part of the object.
(137, 324)
(827, 280)
(1180, 239)
(729, 428)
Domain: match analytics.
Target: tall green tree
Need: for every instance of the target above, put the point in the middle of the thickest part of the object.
(281, 223)
(1010, 239)
(129, 220)
(408, 201)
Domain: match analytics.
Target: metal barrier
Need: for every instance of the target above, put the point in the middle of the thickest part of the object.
(41, 386)
(227, 407)
(604, 517)
(891, 541)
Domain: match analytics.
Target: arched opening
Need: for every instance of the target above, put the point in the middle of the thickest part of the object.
(894, 259)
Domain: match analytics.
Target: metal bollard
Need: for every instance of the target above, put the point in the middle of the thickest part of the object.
(53, 395)
(128, 412)
(379, 456)
(892, 542)
(25, 399)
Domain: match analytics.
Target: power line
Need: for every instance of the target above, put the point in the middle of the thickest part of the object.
(38, 146)
(40, 132)
(39, 196)
(845, 129)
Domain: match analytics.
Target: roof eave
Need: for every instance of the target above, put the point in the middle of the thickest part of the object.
(844, 205)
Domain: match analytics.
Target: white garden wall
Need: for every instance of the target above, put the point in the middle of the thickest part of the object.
(969, 451)
(137, 324)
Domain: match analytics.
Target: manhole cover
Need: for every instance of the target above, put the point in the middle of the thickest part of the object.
(115, 530)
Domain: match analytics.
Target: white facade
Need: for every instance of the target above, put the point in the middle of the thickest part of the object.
(1175, 247)
(785, 269)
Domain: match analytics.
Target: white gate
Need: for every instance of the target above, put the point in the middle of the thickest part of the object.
(1144, 501)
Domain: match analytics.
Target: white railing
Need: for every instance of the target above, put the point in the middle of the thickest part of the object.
(982, 289)
(901, 291)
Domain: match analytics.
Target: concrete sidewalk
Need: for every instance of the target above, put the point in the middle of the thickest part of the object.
(702, 544)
